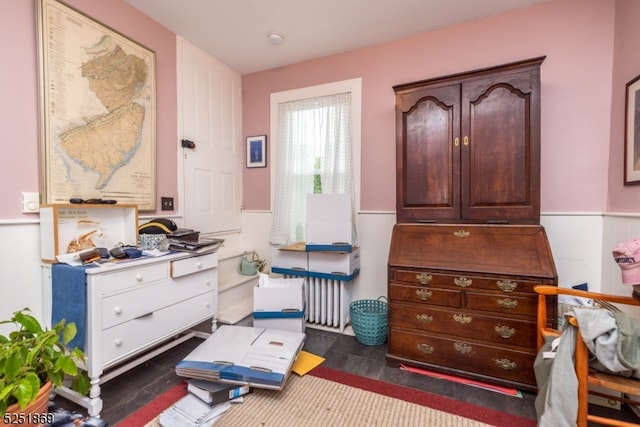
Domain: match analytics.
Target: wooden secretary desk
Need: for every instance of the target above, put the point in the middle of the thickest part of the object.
(468, 247)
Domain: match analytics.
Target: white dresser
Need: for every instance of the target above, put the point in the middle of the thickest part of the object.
(134, 311)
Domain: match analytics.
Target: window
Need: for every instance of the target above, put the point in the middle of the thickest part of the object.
(316, 140)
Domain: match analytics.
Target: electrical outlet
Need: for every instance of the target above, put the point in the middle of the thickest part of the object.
(30, 202)
(166, 203)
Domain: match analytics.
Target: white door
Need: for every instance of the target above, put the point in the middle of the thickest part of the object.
(210, 112)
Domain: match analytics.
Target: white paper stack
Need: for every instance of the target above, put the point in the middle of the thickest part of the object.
(192, 412)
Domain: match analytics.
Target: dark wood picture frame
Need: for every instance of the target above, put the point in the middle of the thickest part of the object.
(632, 133)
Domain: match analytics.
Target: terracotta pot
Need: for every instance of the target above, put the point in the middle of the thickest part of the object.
(32, 412)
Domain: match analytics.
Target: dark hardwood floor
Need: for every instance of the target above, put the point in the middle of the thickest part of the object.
(128, 392)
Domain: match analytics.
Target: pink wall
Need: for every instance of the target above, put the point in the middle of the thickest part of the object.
(577, 38)
(19, 105)
(627, 66)
(581, 112)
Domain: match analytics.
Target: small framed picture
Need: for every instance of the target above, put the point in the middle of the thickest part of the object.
(632, 133)
(257, 151)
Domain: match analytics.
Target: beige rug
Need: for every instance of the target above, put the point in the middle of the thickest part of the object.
(310, 401)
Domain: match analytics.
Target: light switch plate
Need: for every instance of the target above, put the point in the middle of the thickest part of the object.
(30, 202)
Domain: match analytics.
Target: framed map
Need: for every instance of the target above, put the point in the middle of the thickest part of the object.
(97, 110)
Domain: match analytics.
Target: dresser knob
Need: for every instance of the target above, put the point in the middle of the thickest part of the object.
(424, 294)
(117, 342)
(207, 282)
(424, 278)
(506, 364)
(507, 285)
(139, 277)
(463, 348)
(198, 265)
(505, 331)
(462, 282)
(117, 310)
(207, 304)
(507, 303)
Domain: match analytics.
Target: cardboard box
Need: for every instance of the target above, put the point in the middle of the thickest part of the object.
(329, 236)
(291, 259)
(287, 321)
(329, 208)
(63, 227)
(329, 225)
(338, 265)
(278, 295)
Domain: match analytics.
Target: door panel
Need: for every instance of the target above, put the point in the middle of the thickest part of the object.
(498, 166)
(428, 160)
(211, 117)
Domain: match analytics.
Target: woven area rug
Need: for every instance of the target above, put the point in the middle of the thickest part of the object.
(327, 397)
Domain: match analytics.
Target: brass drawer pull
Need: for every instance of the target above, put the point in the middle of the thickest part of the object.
(505, 331)
(424, 318)
(424, 278)
(462, 318)
(424, 294)
(507, 303)
(506, 364)
(463, 282)
(463, 348)
(507, 285)
(425, 348)
(462, 233)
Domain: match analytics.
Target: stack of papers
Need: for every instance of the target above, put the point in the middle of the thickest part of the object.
(257, 357)
(192, 412)
(201, 246)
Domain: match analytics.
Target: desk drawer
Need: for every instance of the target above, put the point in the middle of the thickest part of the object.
(120, 308)
(127, 338)
(499, 330)
(425, 295)
(481, 359)
(192, 265)
(502, 303)
(111, 282)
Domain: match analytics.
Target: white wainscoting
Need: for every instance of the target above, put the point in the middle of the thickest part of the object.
(20, 270)
(581, 244)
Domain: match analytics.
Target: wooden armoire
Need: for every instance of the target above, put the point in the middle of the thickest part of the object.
(468, 247)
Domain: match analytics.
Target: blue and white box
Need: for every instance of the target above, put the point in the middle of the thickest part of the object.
(291, 260)
(329, 225)
(278, 295)
(343, 266)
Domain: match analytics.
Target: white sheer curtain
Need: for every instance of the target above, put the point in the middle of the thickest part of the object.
(314, 154)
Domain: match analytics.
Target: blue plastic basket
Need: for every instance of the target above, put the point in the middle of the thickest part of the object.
(369, 320)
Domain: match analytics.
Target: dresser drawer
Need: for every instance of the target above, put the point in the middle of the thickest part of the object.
(504, 284)
(502, 331)
(192, 265)
(425, 294)
(504, 304)
(125, 339)
(141, 301)
(111, 282)
(473, 357)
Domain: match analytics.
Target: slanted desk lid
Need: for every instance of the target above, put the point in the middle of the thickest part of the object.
(497, 249)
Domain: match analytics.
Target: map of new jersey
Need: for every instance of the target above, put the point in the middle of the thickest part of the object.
(99, 136)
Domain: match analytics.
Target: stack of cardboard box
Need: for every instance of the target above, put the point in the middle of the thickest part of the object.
(279, 304)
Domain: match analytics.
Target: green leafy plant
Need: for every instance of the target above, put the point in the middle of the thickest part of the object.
(32, 355)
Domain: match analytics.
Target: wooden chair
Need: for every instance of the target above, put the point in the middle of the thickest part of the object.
(585, 375)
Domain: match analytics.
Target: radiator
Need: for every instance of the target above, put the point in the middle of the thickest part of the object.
(327, 302)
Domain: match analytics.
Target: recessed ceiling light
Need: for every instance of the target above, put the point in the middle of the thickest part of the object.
(275, 38)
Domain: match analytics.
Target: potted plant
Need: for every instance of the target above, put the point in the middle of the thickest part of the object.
(32, 360)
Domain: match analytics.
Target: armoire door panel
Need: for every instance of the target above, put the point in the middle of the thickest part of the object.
(468, 146)
(429, 155)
